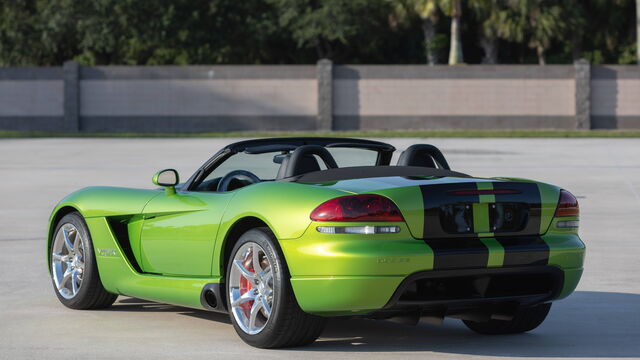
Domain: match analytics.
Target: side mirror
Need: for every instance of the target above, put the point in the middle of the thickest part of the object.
(167, 178)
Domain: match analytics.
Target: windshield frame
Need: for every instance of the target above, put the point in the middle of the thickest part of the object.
(385, 152)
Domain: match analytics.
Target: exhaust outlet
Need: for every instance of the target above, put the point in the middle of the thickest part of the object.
(211, 298)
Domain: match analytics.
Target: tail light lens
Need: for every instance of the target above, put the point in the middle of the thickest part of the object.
(567, 205)
(357, 208)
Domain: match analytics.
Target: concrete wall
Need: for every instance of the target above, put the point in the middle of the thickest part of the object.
(615, 97)
(197, 98)
(326, 96)
(388, 97)
(31, 98)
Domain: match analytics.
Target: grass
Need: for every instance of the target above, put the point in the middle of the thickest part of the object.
(367, 134)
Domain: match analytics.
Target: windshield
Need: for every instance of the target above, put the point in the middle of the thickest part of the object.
(266, 166)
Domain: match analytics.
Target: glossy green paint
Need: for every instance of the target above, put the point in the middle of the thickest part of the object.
(170, 188)
(481, 221)
(333, 263)
(566, 251)
(318, 254)
(102, 201)
(118, 276)
(181, 226)
(344, 295)
(409, 201)
(496, 252)
(181, 238)
(283, 206)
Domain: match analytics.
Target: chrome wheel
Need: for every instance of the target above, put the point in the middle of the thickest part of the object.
(67, 261)
(251, 288)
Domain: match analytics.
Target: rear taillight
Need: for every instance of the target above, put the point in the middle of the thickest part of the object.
(357, 208)
(567, 205)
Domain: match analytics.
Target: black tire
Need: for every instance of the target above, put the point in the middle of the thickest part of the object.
(525, 319)
(91, 294)
(288, 325)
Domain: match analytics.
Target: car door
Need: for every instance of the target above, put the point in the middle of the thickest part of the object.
(179, 232)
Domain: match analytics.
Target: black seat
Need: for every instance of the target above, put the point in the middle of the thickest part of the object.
(306, 164)
(303, 160)
(423, 155)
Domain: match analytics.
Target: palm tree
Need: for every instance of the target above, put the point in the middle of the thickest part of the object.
(638, 31)
(488, 12)
(537, 21)
(427, 11)
(455, 49)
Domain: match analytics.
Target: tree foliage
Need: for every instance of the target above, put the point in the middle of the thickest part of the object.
(99, 32)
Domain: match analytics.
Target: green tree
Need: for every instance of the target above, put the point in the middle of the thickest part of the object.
(599, 30)
(638, 31)
(487, 13)
(19, 28)
(454, 9)
(324, 25)
(428, 12)
(534, 22)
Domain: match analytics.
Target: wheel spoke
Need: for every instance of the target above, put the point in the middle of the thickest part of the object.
(65, 278)
(80, 264)
(255, 250)
(245, 273)
(255, 309)
(248, 296)
(67, 240)
(77, 242)
(59, 257)
(265, 306)
(267, 292)
(266, 275)
(251, 302)
(74, 282)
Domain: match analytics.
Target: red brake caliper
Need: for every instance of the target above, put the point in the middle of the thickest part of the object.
(245, 284)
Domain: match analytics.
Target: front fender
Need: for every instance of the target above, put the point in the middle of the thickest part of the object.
(100, 201)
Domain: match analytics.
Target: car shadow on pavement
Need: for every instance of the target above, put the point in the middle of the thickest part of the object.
(587, 324)
(140, 305)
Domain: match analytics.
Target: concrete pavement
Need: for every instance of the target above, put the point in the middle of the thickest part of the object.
(601, 320)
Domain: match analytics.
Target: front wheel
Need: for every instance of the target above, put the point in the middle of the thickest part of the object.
(525, 319)
(261, 303)
(74, 271)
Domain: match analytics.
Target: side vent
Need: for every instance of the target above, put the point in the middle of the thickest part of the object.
(119, 229)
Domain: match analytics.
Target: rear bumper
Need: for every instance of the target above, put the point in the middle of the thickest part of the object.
(452, 292)
(335, 275)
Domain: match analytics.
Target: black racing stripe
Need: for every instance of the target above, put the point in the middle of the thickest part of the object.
(463, 251)
(458, 253)
(528, 193)
(524, 250)
(433, 197)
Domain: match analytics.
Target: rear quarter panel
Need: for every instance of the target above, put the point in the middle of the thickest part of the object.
(284, 206)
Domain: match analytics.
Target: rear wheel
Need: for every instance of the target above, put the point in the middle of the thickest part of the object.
(74, 271)
(525, 319)
(262, 306)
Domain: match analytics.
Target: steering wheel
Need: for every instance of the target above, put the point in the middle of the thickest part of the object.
(223, 184)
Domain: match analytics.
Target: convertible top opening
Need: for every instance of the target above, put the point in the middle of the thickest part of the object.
(359, 172)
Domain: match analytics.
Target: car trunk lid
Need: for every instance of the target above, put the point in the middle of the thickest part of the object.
(468, 208)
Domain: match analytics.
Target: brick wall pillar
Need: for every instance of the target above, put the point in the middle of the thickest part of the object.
(71, 70)
(583, 94)
(325, 95)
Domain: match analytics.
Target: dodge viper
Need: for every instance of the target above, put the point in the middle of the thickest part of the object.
(283, 233)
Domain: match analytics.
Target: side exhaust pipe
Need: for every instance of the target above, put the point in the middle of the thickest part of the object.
(212, 298)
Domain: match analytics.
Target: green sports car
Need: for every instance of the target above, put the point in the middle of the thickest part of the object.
(283, 233)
